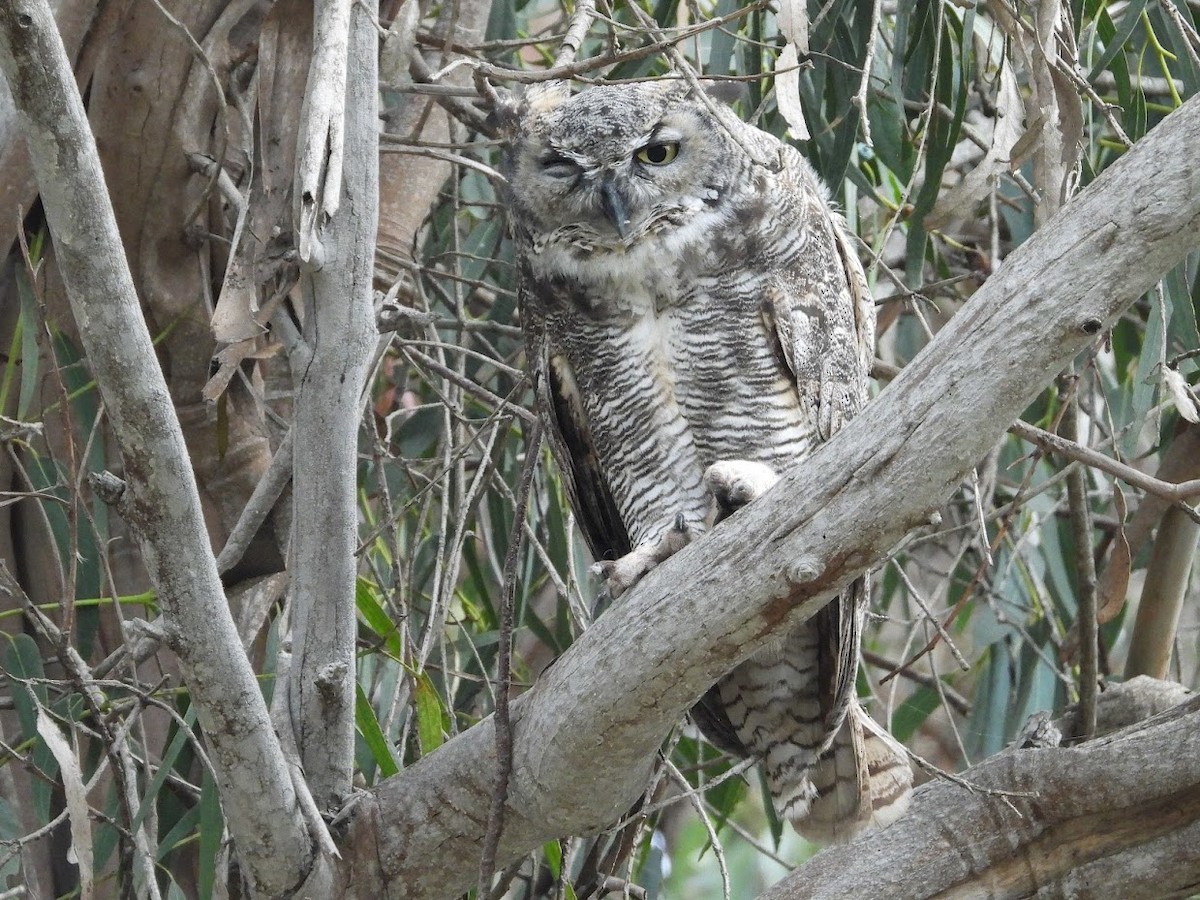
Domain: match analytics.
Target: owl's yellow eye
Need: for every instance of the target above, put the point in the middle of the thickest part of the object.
(658, 154)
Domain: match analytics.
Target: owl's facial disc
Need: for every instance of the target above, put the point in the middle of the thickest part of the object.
(611, 167)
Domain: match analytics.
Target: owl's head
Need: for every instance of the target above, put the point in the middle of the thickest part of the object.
(611, 164)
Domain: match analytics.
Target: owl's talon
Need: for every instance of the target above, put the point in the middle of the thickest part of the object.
(622, 574)
(735, 482)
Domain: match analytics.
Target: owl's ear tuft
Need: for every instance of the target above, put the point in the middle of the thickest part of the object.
(505, 117)
(542, 98)
(513, 109)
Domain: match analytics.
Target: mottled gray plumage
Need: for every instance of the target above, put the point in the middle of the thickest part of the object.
(697, 320)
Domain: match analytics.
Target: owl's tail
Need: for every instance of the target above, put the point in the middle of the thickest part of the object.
(862, 781)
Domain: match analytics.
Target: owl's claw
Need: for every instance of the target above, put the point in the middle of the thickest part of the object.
(622, 574)
(735, 482)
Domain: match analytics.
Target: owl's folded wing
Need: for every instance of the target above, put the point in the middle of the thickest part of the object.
(574, 450)
(825, 322)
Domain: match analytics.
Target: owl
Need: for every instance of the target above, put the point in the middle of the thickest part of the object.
(696, 321)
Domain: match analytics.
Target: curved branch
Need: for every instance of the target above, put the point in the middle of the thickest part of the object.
(585, 735)
(1100, 817)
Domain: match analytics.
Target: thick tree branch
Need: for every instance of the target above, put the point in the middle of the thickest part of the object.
(1101, 816)
(161, 499)
(339, 333)
(585, 735)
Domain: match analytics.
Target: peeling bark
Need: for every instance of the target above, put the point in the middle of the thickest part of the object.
(330, 369)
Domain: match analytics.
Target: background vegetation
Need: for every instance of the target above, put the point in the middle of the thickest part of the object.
(948, 132)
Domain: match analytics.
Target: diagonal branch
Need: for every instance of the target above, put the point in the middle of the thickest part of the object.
(161, 500)
(1176, 493)
(586, 734)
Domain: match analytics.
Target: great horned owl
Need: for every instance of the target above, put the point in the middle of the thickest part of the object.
(697, 320)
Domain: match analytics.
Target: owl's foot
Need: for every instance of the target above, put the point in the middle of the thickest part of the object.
(735, 482)
(622, 574)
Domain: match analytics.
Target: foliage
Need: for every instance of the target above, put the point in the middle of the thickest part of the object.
(905, 101)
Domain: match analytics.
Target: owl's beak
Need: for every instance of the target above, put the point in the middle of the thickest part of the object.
(615, 207)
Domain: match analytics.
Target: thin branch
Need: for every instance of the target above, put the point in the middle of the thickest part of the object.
(1175, 493)
(263, 499)
(960, 703)
(1085, 573)
(504, 742)
(581, 21)
(714, 842)
(500, 404)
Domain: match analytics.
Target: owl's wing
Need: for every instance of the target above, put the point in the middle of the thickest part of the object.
(824, 318)
(567, 429)
(825, 323)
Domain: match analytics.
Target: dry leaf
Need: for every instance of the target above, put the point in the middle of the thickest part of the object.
(75, 794)
(1010, 144)
(1113, 583)
(793, 25)
(1181, 394)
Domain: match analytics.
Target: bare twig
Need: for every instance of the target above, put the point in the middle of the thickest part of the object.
(698, 805)
(499, 403)
(953, 697)
(581, 21)
(516, 543)
(1085, 577)
(1174, 493)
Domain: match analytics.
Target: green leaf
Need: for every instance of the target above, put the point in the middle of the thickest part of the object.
(1145, 377)
(212, 824)
(773, 820)
(720, 52)
(11, 829)
(1182, 333)
(179, 834)
(30, 356)
(552, 852)
(1130, 19)
(366, 599)
(430, 714)
(913, 712)
(23, 660)
(373, 736)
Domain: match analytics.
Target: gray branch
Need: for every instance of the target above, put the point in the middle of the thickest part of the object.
(586, 734)
(161, 497)
(330, 369)
(1100, 818)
